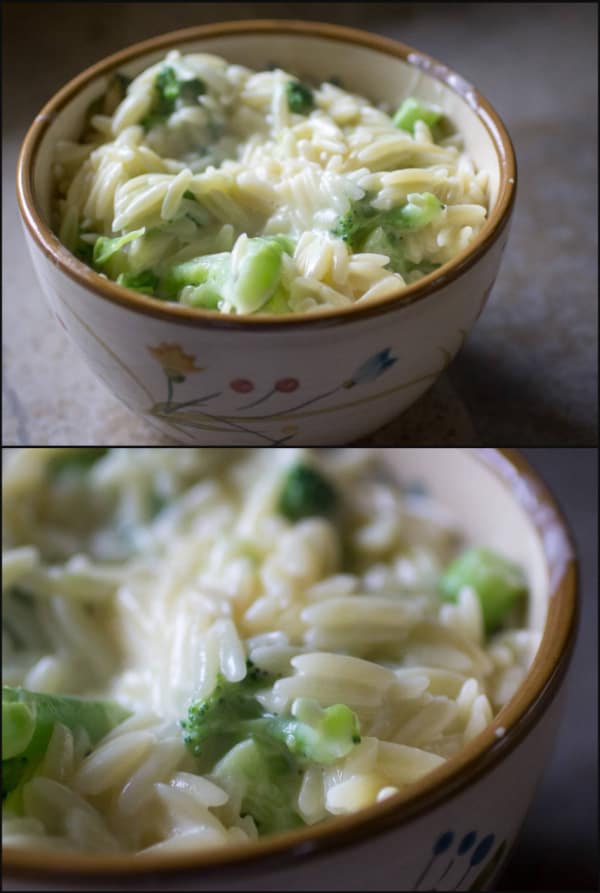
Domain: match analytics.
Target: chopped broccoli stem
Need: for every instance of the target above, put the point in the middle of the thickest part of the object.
(498, 583)
(258, 276)
(18, 726)
(105, 247)
(264, 774)
(255, 283)
(278, 303)
(145, 282)
(314, 734)
(28, 720)
(420, 209)
(205, 295)
(286, 244)
(212, 269)
(306, 493)
(413, 110)
(300, 98)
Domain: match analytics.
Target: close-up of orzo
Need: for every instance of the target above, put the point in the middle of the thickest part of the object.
(218, 187)
(207, 646)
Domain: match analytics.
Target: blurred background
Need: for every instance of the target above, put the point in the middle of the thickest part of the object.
(528, 374)
(558, 845)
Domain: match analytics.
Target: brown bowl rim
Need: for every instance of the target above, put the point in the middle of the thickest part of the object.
(431, 284)
(479, 756)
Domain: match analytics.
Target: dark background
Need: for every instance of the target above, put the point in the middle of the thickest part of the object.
(528, 373)
(558, 846)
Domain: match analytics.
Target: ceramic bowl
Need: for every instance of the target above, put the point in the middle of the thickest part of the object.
(453, 829)
(202, 377)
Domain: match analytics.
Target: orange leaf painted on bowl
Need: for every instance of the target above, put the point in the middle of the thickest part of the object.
(174, 360)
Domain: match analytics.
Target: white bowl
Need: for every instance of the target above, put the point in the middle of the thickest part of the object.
(203, 377)
(453, 829)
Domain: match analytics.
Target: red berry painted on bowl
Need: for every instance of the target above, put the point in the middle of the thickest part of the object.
(287, 385)
(241, 385)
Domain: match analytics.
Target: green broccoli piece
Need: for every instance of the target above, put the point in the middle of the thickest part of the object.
(306, 493)
(190, 90)
(362, 219)
(210, 270)
(167, 84)
(76, 460)
(278, 303)
(261, 756)
(84, 250)
(254, 284)
(259, 274)
(215, 724)
(144, 282)
(105, 247)
(413, 110)
(168, 88)
(28, 720)
(266, 767)
(380, 242)
(313, 734)
(264, 774)
(300, 98)
(499, 584)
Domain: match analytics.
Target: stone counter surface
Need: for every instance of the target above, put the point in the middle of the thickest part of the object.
(528, 374)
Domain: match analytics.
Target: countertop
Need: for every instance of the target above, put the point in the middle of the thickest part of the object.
(528, 373)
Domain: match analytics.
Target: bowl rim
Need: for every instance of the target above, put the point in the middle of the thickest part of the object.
(427, 287)
(479, 756)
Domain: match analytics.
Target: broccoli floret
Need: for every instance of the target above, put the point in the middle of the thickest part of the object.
(362, 219)
(167, 89)
(306, 493)
(215, 724)
(300, 98)
(260, 756)
(167, 84)
(28, 720)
